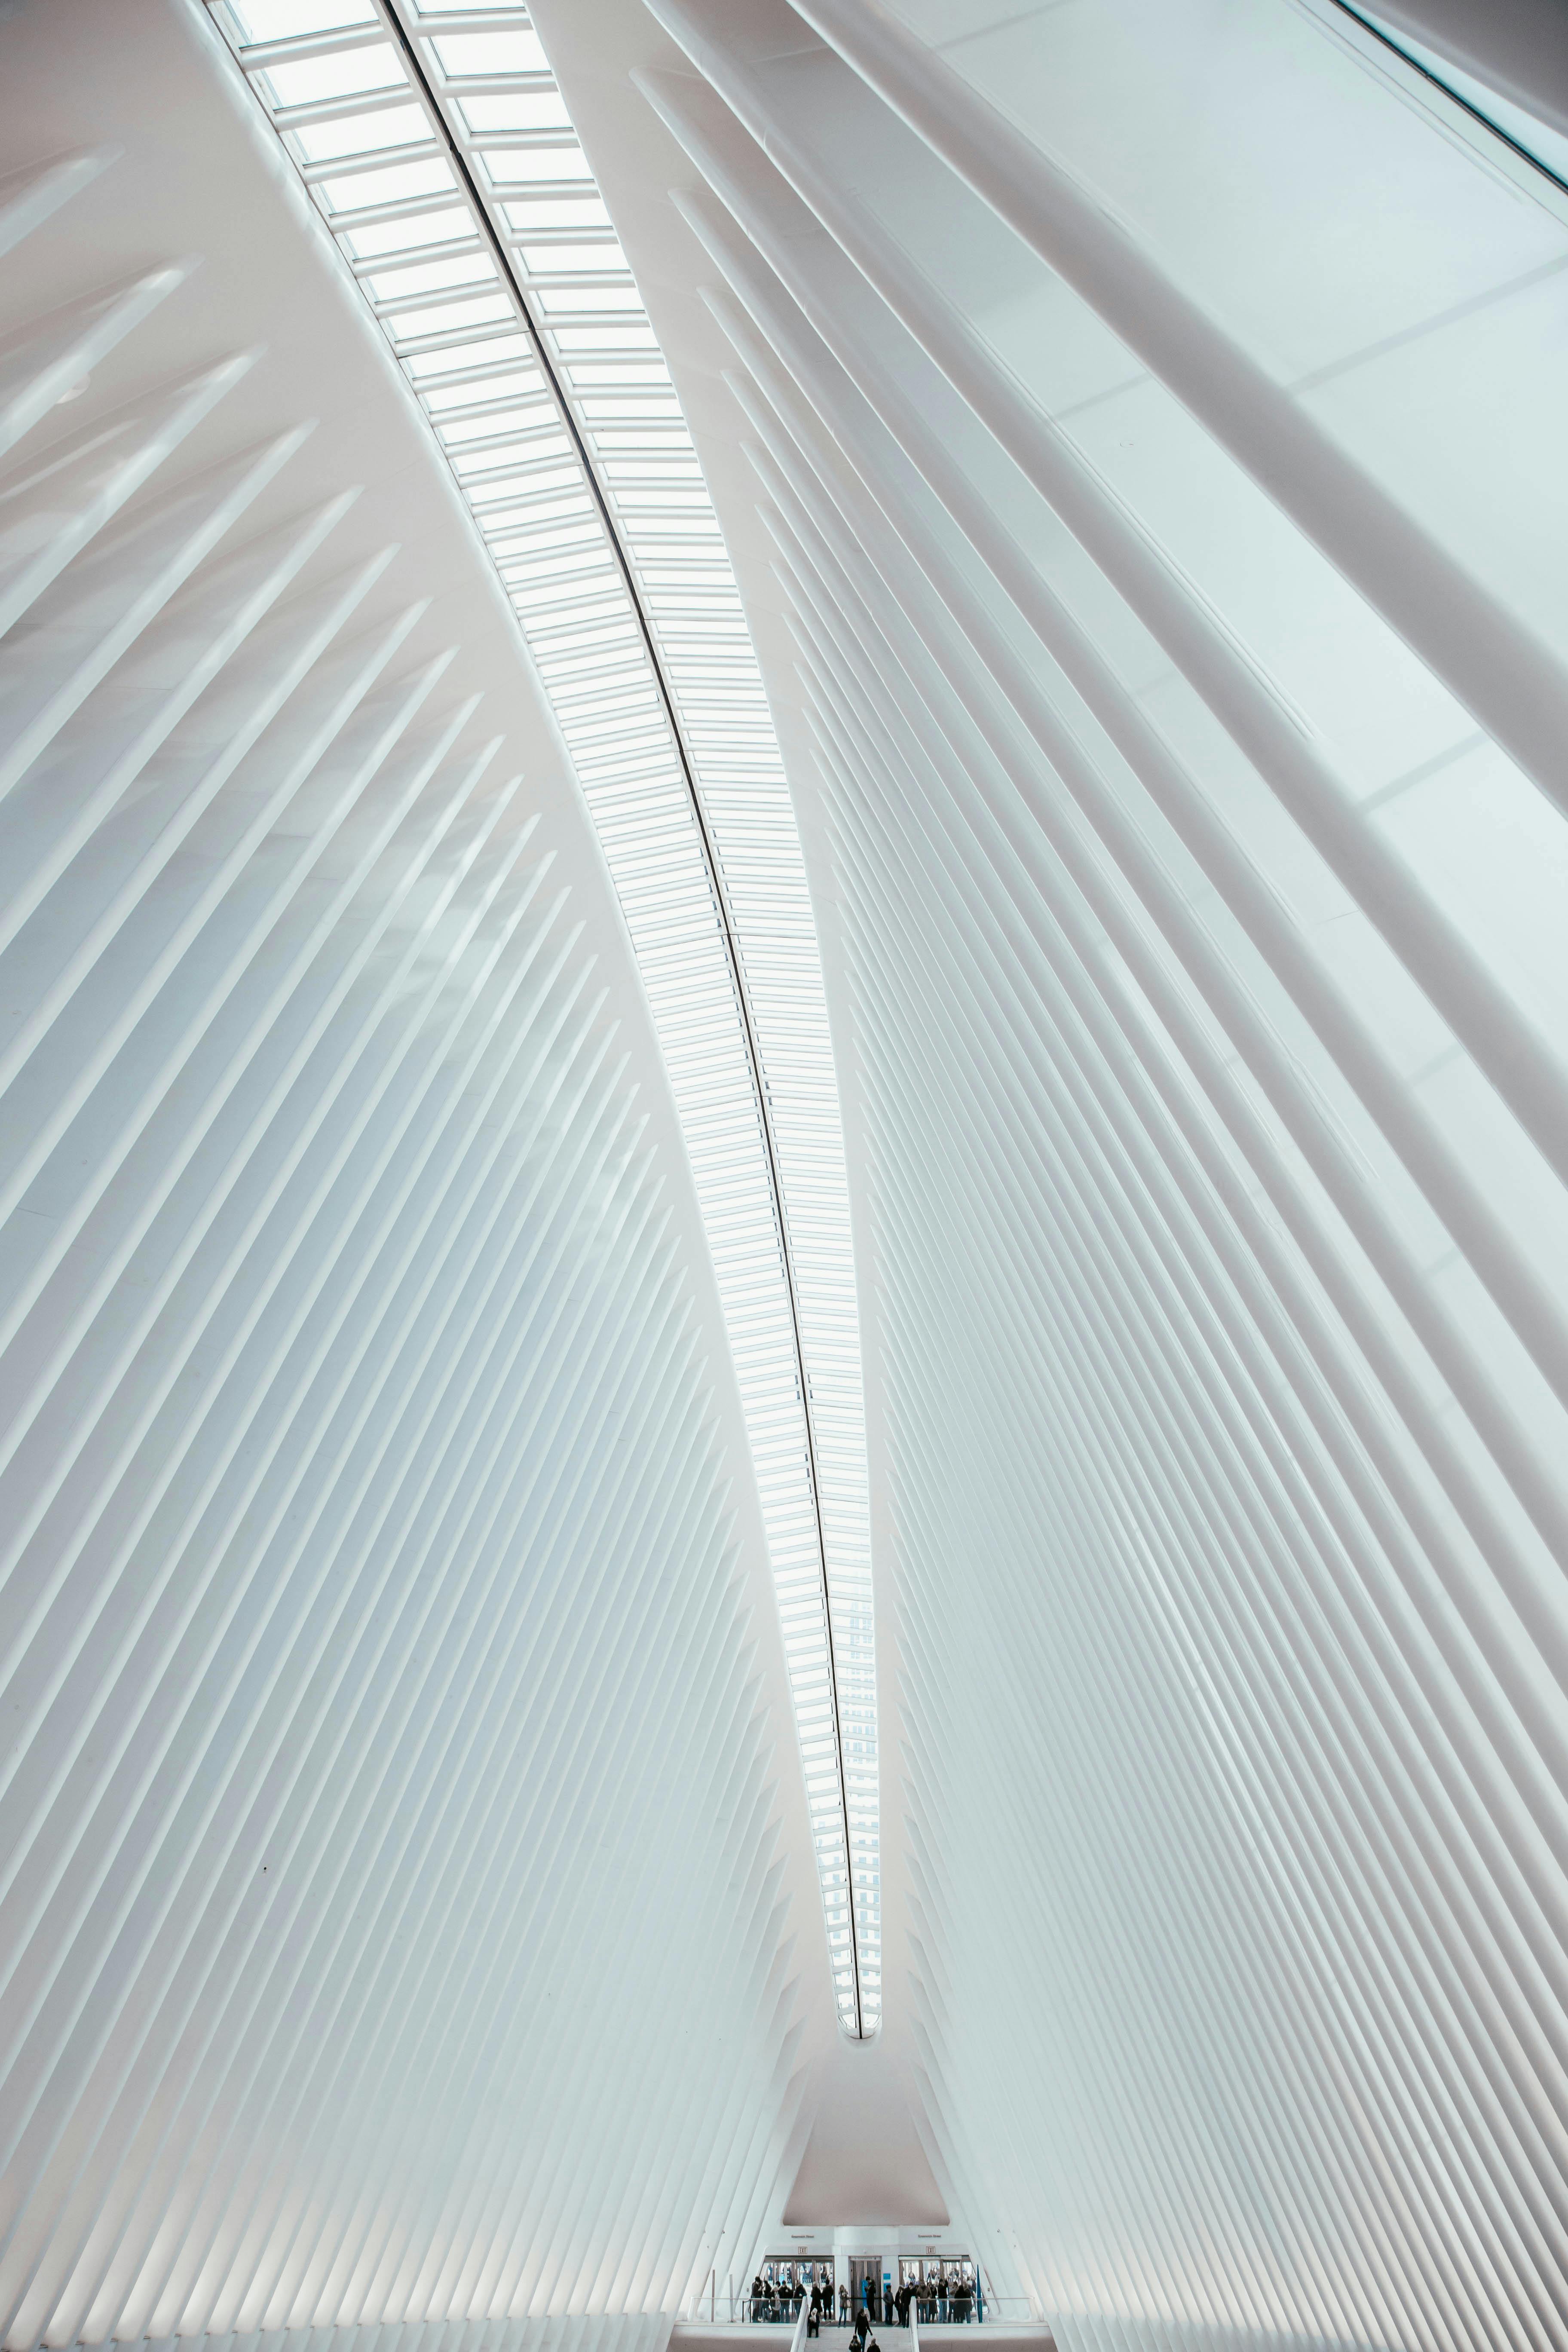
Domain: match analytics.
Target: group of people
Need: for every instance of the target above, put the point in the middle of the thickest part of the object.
(773, 2303)
(936, 2302)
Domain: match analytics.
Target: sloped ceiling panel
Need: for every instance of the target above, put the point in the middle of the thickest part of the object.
(404, 1847)
(1153, 540)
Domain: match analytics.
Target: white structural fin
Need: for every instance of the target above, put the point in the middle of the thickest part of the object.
(394, 1890)
(441, 152)
(1135, 430)
(1155, 421)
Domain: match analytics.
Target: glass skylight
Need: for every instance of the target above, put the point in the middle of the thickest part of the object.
(1525, 131)
(585, 483)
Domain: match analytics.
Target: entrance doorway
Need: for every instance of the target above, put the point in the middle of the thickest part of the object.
(784, 2282)
(865, 2286)
(945, 2288)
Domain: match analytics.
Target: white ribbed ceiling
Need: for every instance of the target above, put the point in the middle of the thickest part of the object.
(441, 152)
(398, 1761)
(1135, 429)
(1151, 417)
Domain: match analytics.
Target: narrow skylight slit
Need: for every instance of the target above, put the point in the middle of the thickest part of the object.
(435, 149)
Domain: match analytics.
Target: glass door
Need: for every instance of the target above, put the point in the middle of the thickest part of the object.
(865, 2286)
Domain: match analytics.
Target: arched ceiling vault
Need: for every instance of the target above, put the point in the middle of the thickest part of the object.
(1093, 472)
(442, 159)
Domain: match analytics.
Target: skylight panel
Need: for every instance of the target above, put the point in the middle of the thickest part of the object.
(620, 374)
(342, 73)
(535, 165)
(453, 223)
(663, 495)
(555, 300)
(627, 336)
(512, 109)
(468, 360)
(471, 390)
(560, 260)
(1523, 130)
(673, 469)
(714, 909)
(395, 284)
(545, 443)
(366, 134)
(286, 20)
(511, 52)
(449, 318)
(395, 184)
(556, 212)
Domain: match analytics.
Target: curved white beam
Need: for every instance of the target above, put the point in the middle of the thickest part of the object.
(1222, 1442)
(378, 1533)
(637, 625)
(1512, 680)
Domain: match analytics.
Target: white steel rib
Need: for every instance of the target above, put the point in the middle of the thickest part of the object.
(375, 1536)
(1154, 414)
(440, 152)
(1136, 429)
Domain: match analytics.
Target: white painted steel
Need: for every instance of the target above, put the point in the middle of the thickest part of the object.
(446, 163)
(1142, 463)
(1121, 384)
(395, 1893)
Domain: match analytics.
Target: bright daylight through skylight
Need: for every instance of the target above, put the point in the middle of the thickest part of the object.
(444, 163)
